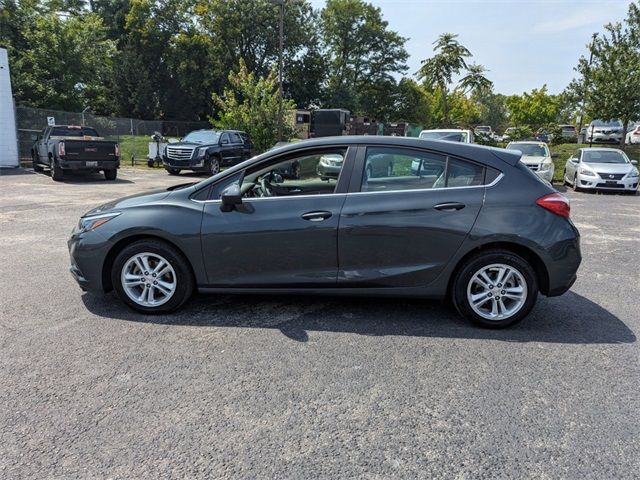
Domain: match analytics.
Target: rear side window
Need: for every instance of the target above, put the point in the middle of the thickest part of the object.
(392, 169)
(235, 138)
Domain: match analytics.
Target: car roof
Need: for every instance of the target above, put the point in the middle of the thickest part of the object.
(488, 155)
(528, 142)
(601, 149)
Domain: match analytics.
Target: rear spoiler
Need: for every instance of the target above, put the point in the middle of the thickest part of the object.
(512, 157)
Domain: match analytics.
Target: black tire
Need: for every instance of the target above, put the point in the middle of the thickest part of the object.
(564, 178)
(184, 277)
(173, 171)
(576, 188)
(472, 265)
(110, 174)
(35, 162)
(56, 171)
(213, 165)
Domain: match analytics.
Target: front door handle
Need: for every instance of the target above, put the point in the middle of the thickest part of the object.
(449, 206)
(316, 216)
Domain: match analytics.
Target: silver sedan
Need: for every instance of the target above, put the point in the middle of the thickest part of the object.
(601, 169)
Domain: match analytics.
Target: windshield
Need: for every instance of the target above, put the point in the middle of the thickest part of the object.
(610, 123)
(73, 132)
(603, 156)
(448, 136)
(529, 149)
(202, 136)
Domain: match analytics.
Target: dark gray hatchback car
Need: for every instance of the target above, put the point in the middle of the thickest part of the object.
(471, 223)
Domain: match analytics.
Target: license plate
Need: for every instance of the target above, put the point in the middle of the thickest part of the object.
(92, 164)
(611, 182)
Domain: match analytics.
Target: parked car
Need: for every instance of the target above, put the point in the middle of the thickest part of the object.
(486, 132)
(483, 231)
(542, 135)
(601, 169)
(604, 131)
(64, 148)
(633, 137)
(569, 132)
(329, 166)
(448, 135)
(536, 156)
(207, 151)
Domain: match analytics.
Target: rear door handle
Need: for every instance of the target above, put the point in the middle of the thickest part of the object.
(449, 206)
(316, 216)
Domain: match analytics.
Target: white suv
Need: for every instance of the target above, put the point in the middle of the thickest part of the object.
(537, 157)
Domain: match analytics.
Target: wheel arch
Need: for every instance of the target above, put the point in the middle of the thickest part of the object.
(523, 251)
(121, 244)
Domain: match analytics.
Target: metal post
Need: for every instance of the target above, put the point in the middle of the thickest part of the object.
(584, 87)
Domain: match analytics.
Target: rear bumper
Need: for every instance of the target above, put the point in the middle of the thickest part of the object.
(562, 265)
(66, 164)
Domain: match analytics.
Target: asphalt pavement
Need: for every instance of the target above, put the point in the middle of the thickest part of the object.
(307, 387)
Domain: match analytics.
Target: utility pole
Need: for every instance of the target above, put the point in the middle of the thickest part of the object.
(280, 4)
(584, 87)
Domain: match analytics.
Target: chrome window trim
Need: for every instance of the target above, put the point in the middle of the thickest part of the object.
(290, 197)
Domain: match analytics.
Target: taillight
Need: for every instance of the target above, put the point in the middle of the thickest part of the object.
(61, 150)
(117, 150)
(555, 203)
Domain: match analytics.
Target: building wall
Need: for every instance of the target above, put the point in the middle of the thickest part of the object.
(8, 137)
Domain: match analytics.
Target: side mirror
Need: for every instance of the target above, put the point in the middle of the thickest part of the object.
(35, 138)
(231, 196)
(634, 162)
(555, 155)
(574, 160)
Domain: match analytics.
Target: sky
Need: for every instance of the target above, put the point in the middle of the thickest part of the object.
(523, 43)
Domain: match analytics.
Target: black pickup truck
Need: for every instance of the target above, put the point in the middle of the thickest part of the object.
(207, 151)
(74, 148)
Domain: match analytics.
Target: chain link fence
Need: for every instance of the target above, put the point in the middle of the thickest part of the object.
(132, 134)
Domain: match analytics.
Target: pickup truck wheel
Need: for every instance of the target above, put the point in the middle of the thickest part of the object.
(151, 276)
(56, 171)
(173, 171)
(110, 174)
(35, 162)
(213, 165)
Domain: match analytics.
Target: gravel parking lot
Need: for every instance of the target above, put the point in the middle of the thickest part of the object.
(309, 387)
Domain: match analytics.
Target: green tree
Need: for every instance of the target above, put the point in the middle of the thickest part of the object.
(363, 56)
(250, 103)
(57, 61)
(613, 80)
(535, 109)
(437, 72)
(411, 103)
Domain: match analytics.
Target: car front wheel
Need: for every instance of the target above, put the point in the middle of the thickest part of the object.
(151, 276)
(495, 289)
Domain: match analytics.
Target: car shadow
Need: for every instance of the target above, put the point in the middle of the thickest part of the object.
(11, 171)
(85, 178)
(570, 318)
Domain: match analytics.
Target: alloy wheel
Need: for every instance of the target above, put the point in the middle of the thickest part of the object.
(214, 166)
(497, 291)
(148, 279)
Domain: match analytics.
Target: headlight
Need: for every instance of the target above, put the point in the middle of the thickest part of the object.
(201, 152)
(588, 173)
(94, 221)
(633, 173)
(546, 165)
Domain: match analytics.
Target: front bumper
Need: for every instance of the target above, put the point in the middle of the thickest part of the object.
(327, 171)
(87, 254)
(598, 183)
(604, 138)
(190, 164)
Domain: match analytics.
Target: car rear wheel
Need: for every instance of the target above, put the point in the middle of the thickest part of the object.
(110, 174)
(56, 171)
(151, 276)
(173, 171)
(35, 162)
(495, 289)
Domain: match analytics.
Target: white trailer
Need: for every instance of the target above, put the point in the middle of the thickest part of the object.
(8, 134)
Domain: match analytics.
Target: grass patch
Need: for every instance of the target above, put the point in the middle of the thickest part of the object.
(134, 146)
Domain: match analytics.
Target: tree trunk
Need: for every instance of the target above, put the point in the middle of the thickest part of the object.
(625, 125)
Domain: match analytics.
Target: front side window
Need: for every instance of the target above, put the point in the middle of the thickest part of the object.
(392, 169)
(302, 174)
(235, 138)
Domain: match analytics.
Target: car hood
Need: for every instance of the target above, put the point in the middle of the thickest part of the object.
(130, 201)
(609, 167)
(533, 160)
(190, 144)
